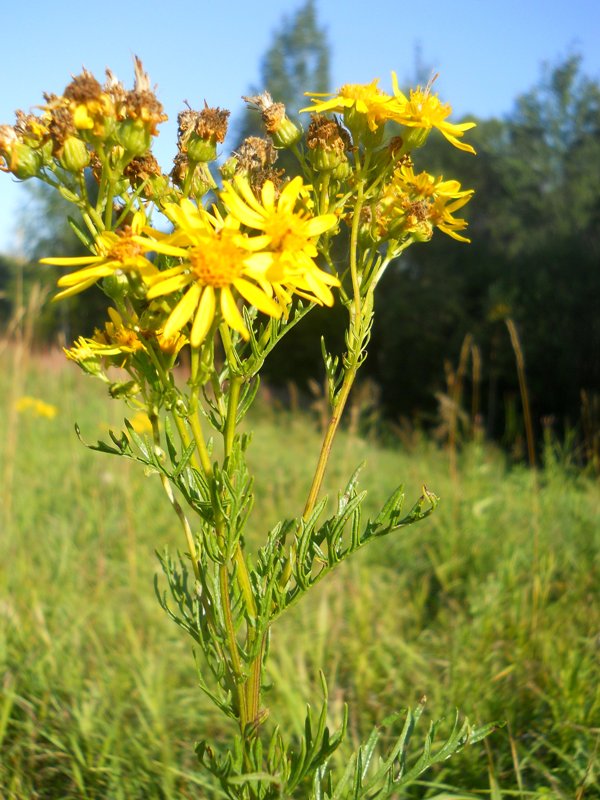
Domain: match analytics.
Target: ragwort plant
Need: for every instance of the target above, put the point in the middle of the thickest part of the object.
(248, 252)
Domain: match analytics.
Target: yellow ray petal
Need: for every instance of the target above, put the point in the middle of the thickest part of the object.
(257, 298)
(231, 314)
(204, 317)
(89, 274)
(74, 290)
(167, 286)
(182, 312)
(71, 262)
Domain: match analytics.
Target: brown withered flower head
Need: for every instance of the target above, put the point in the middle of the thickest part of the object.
(141, 169)
(328, 135)
(141, 102)
(208, 124)
(83, 89)
(272, 113)
(277, 124)
(255, 159)
(31, 128)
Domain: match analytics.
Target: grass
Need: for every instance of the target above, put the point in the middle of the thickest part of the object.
(491, 605)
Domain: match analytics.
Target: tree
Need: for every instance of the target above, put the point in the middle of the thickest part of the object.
(296, 62)
(535, 230)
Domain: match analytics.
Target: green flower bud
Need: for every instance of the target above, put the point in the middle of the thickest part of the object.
(116, 286)
(133, 136)
(229, 168)
(286, 134)
(342, 172)
(201, 150)
(24, 162)
(413, 138)
(122, 389)
(75, 156)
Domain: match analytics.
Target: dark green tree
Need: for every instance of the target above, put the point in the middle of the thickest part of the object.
(296, 62)
(535, 230)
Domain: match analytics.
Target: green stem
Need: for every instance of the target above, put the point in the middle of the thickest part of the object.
(235, 385)
(352, 369)
(176, 506)
(327, 444)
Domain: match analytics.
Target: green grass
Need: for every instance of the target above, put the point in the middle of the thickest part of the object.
(491, 605)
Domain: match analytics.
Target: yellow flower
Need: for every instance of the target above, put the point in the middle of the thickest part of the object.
(116, 338)
(115, 252)
(424, 110)
(365, 99)
(411, 204)
(288, 233)
(441, 216)
(140, 422)
(38, 407)
(216, 260)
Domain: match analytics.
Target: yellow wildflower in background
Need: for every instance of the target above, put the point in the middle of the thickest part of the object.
(115, 252)
(140, 422)
(425, 110)
(36, 406)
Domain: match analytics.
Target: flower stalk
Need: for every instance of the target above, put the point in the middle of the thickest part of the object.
(232, 263)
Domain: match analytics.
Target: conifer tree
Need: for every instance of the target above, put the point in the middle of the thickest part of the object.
(297, 61)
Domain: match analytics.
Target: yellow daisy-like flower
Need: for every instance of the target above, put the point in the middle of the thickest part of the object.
(441, 216)
(425, 110)
(117, 337)
(36, 406)
(426, 185)
(216, 260)
(287, 232)
(114, 252)
(412, 204)
(366, 99)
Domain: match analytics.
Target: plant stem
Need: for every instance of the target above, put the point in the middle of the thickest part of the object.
(355, 344)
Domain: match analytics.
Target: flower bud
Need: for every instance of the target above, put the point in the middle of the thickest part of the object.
(229, 168)
(24, 162)
(287, 134)
(122, 389)
(201, 150)
(75, 156)
(116, 286)
(413, 138)
(133, 136)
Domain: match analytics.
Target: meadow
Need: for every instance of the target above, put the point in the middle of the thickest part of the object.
(490, 606)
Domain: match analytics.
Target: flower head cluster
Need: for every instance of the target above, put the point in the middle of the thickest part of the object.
(367, 106)
(88, 122)
(219, 263)
(412, 205)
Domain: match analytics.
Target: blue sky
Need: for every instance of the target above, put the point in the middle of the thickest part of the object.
(486, 51)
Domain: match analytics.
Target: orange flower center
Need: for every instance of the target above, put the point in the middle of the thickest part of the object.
(125, 250)
(217, 263)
